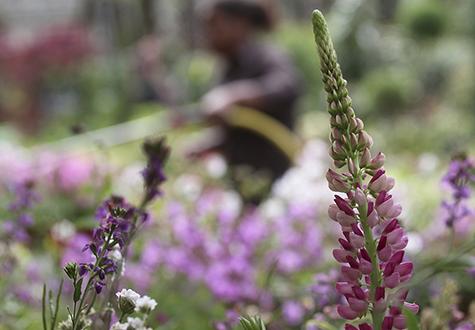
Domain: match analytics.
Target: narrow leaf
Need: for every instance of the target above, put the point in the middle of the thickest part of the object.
(43, 307)
(50, 304)
(252, 323)
(77, 290)
(56, 307)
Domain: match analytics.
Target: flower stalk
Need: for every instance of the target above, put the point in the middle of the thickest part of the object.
(119, 222)
(372, 247)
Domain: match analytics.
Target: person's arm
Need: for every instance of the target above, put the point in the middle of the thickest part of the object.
(209, 142)
(279, 84)
(220, 99)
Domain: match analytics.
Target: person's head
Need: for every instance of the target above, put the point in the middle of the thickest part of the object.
(229, 23)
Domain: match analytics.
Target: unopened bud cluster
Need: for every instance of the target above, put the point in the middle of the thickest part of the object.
(371, 252)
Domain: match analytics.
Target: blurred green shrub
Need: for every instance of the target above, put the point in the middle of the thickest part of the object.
(293, 37)
(424, 19)
(196, 72)
(387, 92)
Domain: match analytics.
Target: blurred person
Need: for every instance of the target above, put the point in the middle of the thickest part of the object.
(256, 75)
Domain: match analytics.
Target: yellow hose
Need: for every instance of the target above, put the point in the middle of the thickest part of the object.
(246, 118)
(267, 127)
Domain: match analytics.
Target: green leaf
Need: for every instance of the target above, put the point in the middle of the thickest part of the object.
(43, 307)
(252, 323)
(77, 290)
(56, 307)
(411, 320)
(50, 304)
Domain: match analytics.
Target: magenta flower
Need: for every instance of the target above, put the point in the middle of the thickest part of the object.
(371, 252)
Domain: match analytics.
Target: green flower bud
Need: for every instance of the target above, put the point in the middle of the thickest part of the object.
(377, 162)
(364, 140)
(360, 124)
(339, 163)
(127, 300)
(335, 134)
(71, 270)
(365, 158)
(353, 141)
(351, 167)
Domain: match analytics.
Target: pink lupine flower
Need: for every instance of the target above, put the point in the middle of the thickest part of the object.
(372, 245)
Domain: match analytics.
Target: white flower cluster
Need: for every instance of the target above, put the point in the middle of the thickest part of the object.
(305, 182)
(145, 304)
(128, 294)
(132, 323)
(115, 255)
(130, 301)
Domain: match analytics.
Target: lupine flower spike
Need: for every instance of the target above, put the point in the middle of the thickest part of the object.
(372, 245)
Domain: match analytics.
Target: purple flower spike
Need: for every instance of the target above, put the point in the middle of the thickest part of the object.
(157, 153)
(374, 241)
(460, 175)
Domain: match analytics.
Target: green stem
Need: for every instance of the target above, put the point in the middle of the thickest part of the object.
(122, 316)
(74, 312)
(43, 307)
(92, 302)
(375, 276)
(115, 283)
(56, 307)
(371, 247)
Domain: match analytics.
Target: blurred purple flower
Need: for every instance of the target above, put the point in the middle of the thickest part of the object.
(73, 250)
(323, 290)
(24, 199)
(293, 312)
(72, 172)
(232, 279)
(465, 326)
(459, 176)
(215, 242)
(25, 196)
(157, 153)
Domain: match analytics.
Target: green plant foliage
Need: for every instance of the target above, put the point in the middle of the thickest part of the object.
(425, 19)
(388, 91)
(411, 319)
(252, 323)
(294, 36)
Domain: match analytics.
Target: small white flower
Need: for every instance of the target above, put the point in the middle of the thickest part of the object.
(115, 255)
(62, 231)
(129, 294)
(215, 166)
(136, 323)
(66, 325)
(119, 326)
(188, 186)
(145, 304)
